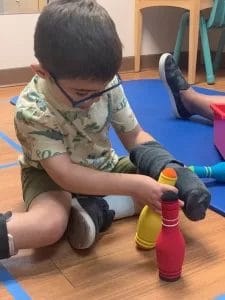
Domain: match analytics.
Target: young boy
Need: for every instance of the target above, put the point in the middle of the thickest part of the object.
(185, 101)
(62, 121)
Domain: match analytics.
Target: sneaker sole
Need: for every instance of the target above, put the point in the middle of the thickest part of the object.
(163, 78)
(81, 229)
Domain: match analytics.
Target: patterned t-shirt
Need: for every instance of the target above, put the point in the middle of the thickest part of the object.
(46, 128)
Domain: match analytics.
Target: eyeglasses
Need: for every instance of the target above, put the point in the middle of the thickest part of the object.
(77, 103)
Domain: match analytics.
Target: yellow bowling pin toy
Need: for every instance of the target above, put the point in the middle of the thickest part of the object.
(149, 222)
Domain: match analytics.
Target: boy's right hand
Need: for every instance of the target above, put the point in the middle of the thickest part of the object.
(147, 191)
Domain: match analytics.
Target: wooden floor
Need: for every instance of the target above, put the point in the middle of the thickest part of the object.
(114, 268)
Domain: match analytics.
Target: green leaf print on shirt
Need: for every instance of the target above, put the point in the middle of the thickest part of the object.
(26, 115)
(98, 163)
(121, 105)
(71, 116)
(32, 96)
(36, 98)
(79, 137)
(51, 134)
(36, 79)
(44, 154)
(92, 127)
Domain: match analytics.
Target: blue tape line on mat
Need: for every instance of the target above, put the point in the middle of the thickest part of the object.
(9, 165)
(221, 297)
(13, 144)
(13, 100)
(12, 285)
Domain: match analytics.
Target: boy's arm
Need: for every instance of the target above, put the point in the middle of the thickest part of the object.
(82, 180)
(135, 137)
(151, 158)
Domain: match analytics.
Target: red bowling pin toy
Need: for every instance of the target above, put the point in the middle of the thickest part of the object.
(170, 245)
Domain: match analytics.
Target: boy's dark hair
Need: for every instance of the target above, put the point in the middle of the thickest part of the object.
(77, 39)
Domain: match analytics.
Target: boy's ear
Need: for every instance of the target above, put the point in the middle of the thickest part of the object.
(40, 71)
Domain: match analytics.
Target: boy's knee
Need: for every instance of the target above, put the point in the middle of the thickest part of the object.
(53, 228)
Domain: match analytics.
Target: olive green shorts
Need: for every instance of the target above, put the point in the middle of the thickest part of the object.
(36, 182)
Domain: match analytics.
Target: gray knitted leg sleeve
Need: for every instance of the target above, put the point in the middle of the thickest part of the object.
(151, 158)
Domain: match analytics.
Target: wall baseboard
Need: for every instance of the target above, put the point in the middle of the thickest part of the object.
(20, 76)
(152, 61)
(15, 76)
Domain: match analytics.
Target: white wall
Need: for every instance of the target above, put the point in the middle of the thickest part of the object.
(159, 32)
(16, 40)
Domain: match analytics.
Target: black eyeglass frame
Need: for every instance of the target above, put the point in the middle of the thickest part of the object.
(76, 103)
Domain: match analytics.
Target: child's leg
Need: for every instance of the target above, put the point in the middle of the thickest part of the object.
(44, 223)
(199, 104)
(46, 219)
(185, 100)
(151, 158)
(124, 206)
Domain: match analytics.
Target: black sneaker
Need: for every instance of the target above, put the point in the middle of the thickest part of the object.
(174, 80)
(4, 239)
(88, 217)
